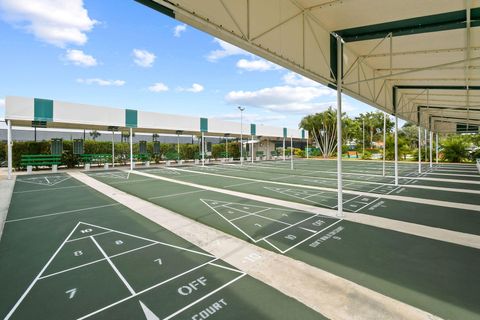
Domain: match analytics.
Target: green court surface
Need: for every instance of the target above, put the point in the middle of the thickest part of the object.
(68, 252)
(435, 276)
(455, 219)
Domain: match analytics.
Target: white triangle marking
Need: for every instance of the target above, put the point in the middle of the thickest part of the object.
(149, 315)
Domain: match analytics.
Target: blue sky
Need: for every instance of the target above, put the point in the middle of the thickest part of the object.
(122, 54)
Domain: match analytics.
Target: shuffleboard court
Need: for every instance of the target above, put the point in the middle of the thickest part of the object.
(435, 276)
(81, 255)
(455, 219)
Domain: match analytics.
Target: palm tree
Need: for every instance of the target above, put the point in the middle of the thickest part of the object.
(95, 134)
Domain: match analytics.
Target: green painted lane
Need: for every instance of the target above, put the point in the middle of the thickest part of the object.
(79, 280)
(436, 276)
(454, 219)
(353, 185)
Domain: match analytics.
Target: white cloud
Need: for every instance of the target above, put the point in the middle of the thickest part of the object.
(158, 87)
(143, 58)
(178, 30)
(195, 88)
(2, 103)
(226, 50)
(294, 79)
(102, 82)
(257, 65)
(282, 98)
(57, 22)
(79, 58)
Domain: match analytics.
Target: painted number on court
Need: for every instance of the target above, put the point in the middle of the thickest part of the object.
(159, 261)
(86, 231)
(77, 253)
(118, 242)
(252, 257)
(290, 237)
(258, 225)
(71, 293)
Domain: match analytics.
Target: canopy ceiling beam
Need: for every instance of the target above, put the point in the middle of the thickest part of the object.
(432, 23)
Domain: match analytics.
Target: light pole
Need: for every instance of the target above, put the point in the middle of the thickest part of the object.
(241, 133)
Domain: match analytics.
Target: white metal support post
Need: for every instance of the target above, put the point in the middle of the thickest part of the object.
(339, 127)
(203, 149)
(9, 148)
(396, 149)
(226, 148)
(436, 147)
(431, 149)
(419, 150)
(241, 134)
(384, 140)
(178, 147)
(251, 151)
(307, 148)
(131, 149)
(426, 146)
(363, 137)
(113, 148)
(291, 152)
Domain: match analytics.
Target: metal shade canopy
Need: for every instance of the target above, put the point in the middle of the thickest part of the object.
(396, 55)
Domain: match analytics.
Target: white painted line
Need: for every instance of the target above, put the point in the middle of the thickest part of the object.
(175, 194)
(309, 230)
(145, 290)
(313, 235)
(63, 212)
(221, 215)
(155, 241)
(441, 203)
(10, 313)
(205, 296)
(225, 267)
(49, 189)
(95, 261)
(368, 204)
(119, 274)
(240, 184)
(89, 236)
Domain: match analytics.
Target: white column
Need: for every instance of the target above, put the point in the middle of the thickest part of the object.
(131, 149)
(268, 149)
(419, 150)
(436, 147)
(203, 149)
(363, 136)
(9, 148)
(307, 148)
(396, 149)
(426, 146)
(384, 140)
(283, 148)
(431, 149)
(251, 151)
(113, 149)
(226, 148)
(339, 127)
(178, 146)
(291, 152)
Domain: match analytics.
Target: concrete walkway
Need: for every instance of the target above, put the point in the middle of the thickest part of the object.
(460, 238)
(6, 190)
(332, 296)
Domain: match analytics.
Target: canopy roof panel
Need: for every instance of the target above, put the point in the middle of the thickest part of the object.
(388, 45)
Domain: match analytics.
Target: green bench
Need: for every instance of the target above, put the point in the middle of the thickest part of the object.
(40, 160)
(95, 158)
